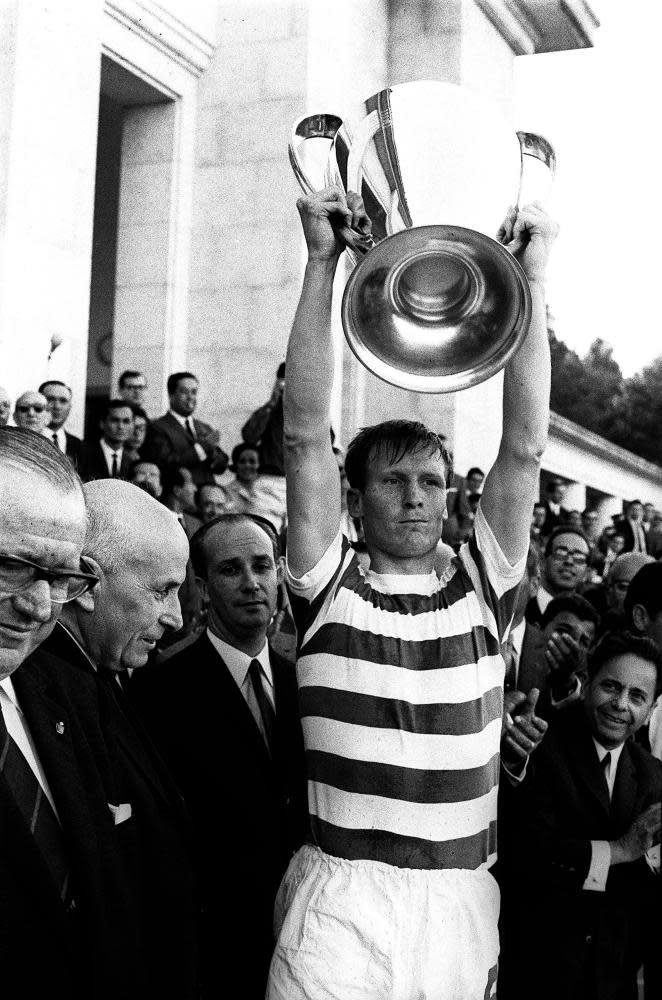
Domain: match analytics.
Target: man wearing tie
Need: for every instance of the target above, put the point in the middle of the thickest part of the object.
(138, 552)
(223, 712)
(177, 439)
(632, 528)
(581, 825)
(107, 458)
(64, 902)
(59, 404)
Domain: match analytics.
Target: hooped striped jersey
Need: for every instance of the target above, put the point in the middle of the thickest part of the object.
(401, 695)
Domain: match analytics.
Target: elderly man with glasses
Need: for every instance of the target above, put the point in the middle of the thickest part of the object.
(31, 412)
(61, 873)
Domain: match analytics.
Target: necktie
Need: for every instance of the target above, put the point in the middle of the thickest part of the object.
(510, 659)
(266, 708)
(36, 811)
(189, 429)
(56, 442)
(606, 764)
(115, 467)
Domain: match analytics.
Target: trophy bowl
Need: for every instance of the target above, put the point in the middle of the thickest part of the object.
(434, 303)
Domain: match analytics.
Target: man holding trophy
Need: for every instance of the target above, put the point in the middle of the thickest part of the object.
(399, 671)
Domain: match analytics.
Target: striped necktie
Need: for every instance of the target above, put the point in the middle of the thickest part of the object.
(56, 441)
(36, 811)
(115, 467)
(266, 708)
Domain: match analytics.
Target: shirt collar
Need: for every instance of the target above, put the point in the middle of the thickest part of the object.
(8, 687)
(602, 753)
(543, 598)
(238, 662)
(109, 452)
(424, 584)
(60, 434)
(179, 418)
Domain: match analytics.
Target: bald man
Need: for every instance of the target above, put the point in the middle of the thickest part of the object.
(31, 412)
(139, 553)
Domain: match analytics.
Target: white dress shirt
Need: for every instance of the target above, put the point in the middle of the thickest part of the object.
(17, 728)
(596, 879)
(238, 664)
(543, 597)
(108, 453)
(60, 435)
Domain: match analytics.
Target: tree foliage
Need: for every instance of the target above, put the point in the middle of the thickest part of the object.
(592, 392)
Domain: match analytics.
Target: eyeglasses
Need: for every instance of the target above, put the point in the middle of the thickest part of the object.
(18, 574)
(26, 407)
(578, 558)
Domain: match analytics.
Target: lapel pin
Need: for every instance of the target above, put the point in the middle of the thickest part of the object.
(59, 728)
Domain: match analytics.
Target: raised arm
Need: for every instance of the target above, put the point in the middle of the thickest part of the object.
(511, 487)
(313, 484)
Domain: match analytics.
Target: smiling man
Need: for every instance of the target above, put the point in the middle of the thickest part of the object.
(178, 439)
(62, 882)
(586, 815)
(236, 750)
(564, 571)
(399, 671)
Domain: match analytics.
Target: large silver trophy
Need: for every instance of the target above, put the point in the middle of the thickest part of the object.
(434, 303)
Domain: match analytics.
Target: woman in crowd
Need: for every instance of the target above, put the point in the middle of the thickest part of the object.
(247, 493)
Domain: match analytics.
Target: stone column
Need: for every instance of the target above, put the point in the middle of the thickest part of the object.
(49, 81)
(575, 497)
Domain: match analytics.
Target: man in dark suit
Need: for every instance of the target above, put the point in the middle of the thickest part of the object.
(224, 713)
(631, 527)
(59, 398)
(177, 439)
(580, 898)
(64, 903)
(555, 512)
(138, 552)
(107, 457)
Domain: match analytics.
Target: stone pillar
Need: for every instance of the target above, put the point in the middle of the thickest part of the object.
(49, 81)
(152, 252)
(607, 508)
(575, 497)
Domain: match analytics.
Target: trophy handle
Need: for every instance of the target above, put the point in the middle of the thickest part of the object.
(309, 127)
(538, 167)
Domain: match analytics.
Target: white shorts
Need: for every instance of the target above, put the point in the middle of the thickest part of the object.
(364, 930)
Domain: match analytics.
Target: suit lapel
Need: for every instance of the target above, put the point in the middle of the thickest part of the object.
(176, 430)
